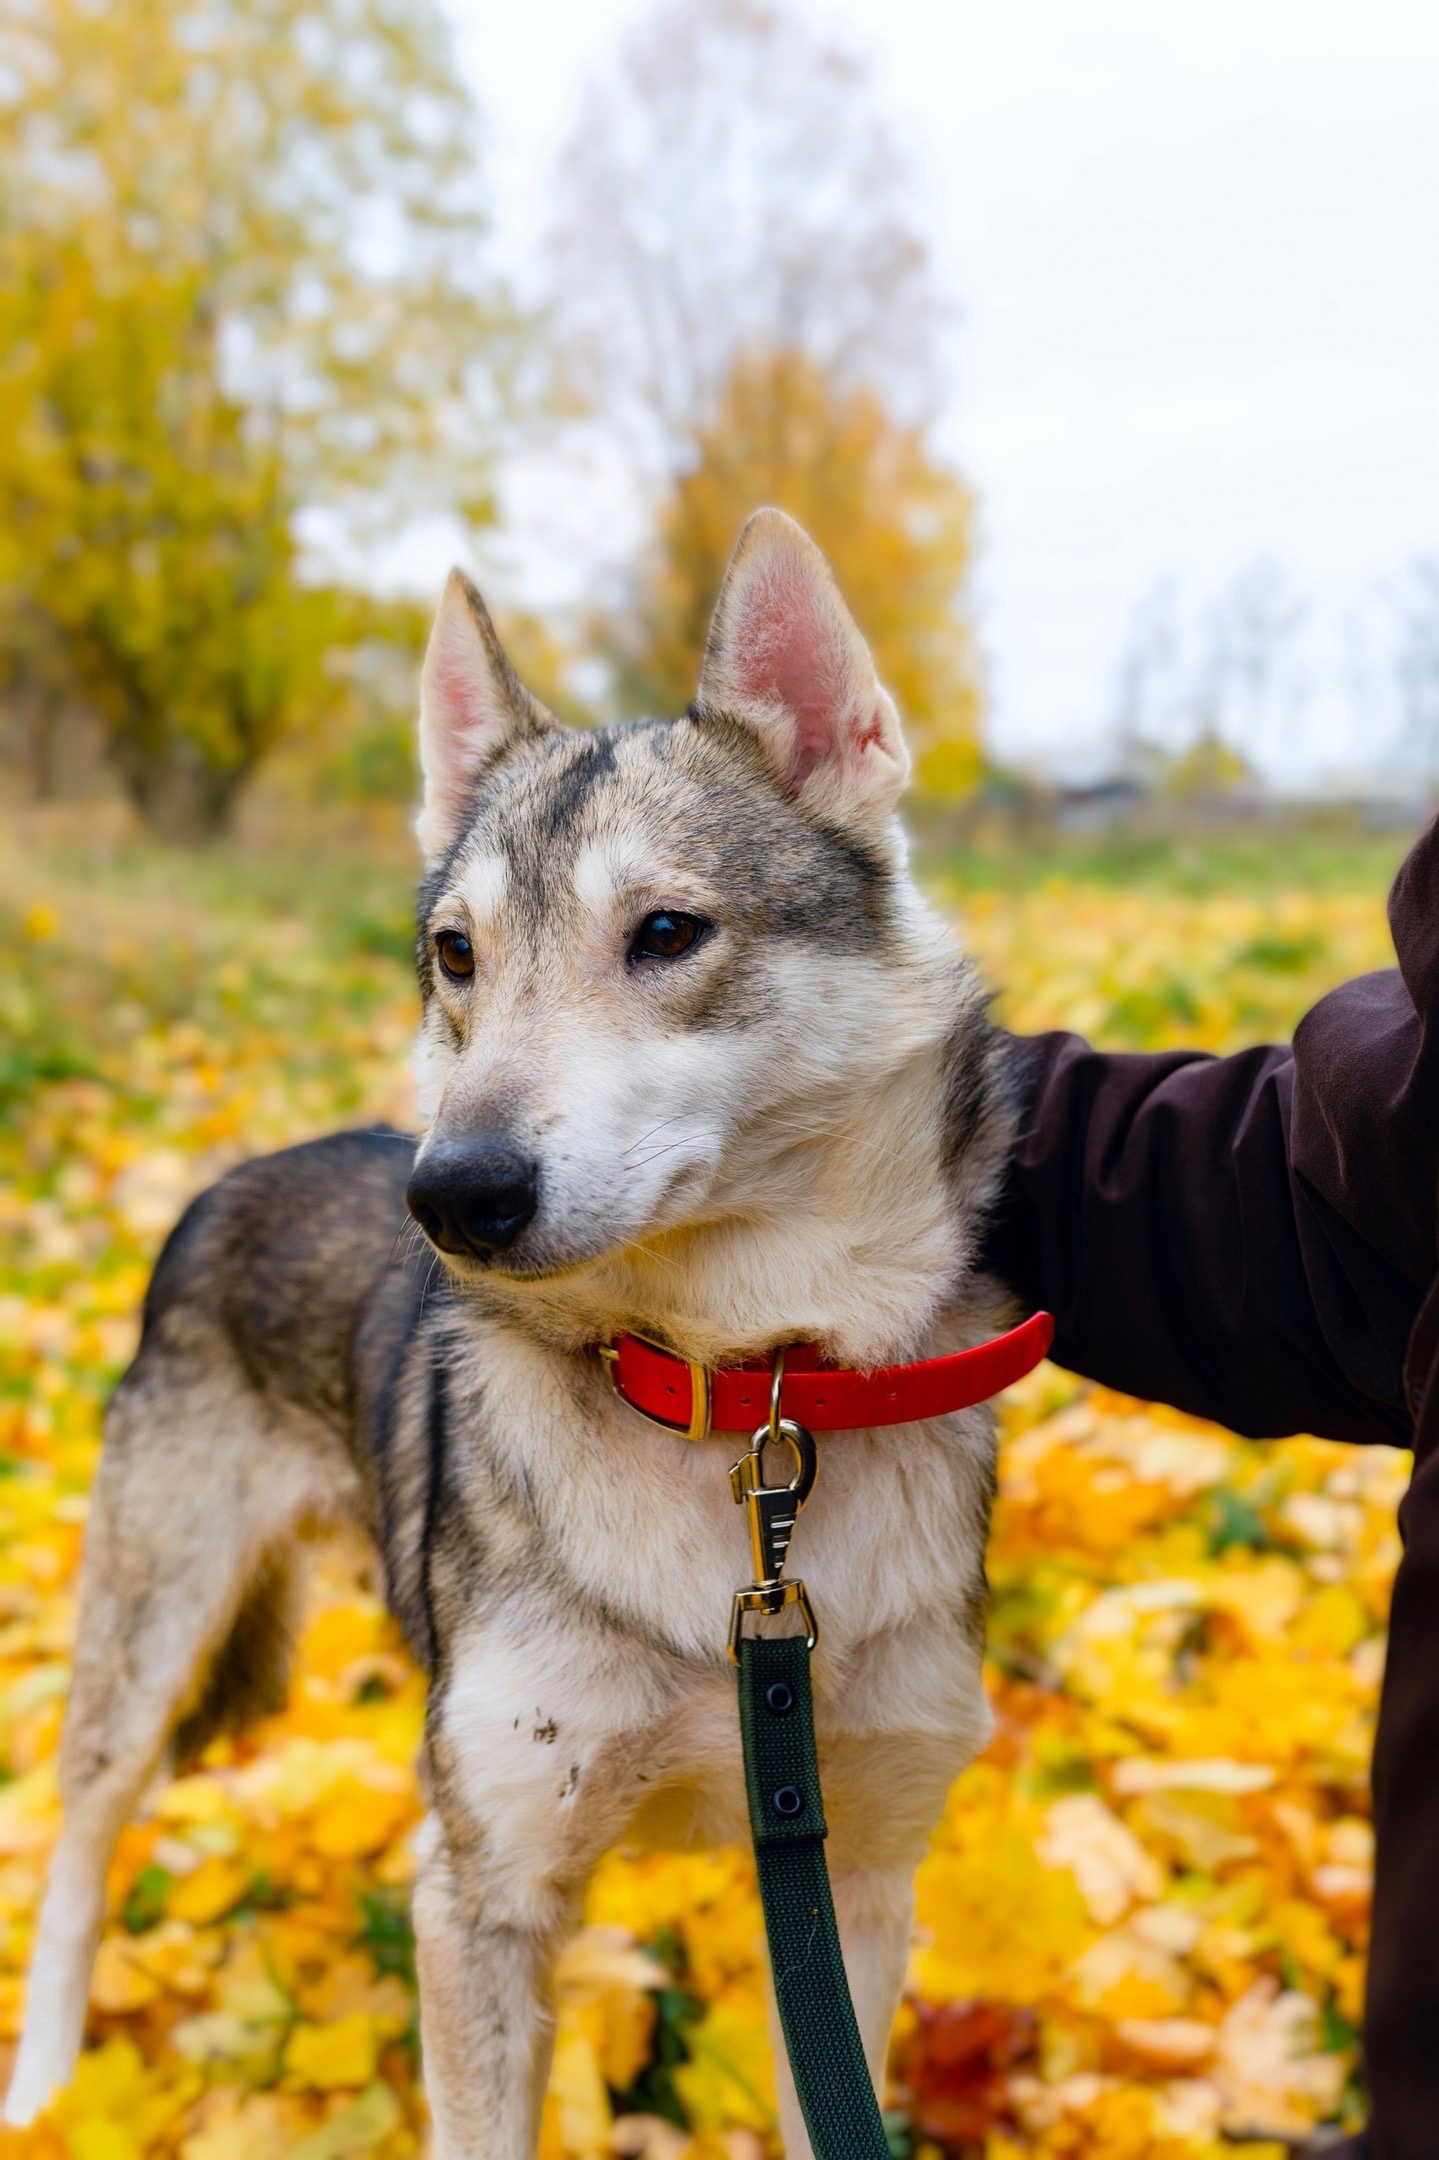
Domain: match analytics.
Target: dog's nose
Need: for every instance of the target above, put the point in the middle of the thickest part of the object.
(474, 1196)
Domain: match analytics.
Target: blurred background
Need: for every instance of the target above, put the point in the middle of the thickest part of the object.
(1098, 345)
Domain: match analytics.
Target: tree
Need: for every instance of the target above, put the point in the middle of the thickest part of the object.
(747, 296)
(1244, 683)
(894, 524)
(1197, 697)
(1147, 676)
(239, 241)
(1416, 665)
(732, 186)
(147, 536)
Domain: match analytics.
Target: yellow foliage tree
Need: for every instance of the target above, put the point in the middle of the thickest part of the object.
(895, 524)
(144, 536)
(237, 248)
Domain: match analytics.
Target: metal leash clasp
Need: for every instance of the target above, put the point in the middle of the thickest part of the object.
(772, 1511)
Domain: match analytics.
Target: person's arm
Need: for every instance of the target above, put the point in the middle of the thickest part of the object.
(1249, 1238)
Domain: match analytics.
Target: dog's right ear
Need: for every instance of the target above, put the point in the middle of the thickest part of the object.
(472, 706)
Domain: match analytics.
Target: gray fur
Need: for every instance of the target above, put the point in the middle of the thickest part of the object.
(562, 1568)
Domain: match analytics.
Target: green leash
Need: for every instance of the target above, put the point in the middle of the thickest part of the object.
(787, 1820)
(786, 1814)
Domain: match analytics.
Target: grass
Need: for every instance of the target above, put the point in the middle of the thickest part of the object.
(1316, 852)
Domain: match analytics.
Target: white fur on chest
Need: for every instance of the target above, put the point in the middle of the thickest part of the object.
(645, 1524)
(600, 1704)
(571, 1729)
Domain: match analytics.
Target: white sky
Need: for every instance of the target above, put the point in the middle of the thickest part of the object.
(1197, 254)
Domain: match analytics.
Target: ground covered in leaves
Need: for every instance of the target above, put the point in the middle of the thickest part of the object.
(1142, 1925)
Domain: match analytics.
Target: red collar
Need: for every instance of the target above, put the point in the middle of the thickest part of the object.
(696, 1400)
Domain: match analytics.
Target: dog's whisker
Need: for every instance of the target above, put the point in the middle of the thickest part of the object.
(430, 1274)
(409, 1239)
(644, 1136)
(655, 1156)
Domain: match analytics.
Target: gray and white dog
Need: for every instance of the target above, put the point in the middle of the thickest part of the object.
(697, 1063)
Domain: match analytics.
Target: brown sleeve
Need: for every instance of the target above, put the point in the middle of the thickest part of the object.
(1249, 1238)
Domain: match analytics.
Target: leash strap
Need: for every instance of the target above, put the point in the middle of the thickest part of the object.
(781, 1771)
(786, 1816)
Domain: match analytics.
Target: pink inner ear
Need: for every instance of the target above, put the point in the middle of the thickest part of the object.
(463, 713)
(788, 648)
(457, 693)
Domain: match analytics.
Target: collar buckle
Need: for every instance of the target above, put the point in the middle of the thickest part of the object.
(701, 1391)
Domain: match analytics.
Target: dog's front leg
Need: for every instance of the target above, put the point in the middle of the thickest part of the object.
(875, 1908)
(533, 1736)
(486, 2008)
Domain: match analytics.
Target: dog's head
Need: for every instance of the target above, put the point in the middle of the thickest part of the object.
(657, 959)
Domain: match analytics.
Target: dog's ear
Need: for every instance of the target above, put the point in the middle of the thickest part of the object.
(472, 706)
(784, 656)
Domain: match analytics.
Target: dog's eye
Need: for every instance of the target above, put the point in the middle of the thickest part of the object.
(457, 956)
(666, 935)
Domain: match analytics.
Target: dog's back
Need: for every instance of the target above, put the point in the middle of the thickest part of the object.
(282, 1257)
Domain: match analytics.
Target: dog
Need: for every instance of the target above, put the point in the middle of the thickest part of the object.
(696, 1062)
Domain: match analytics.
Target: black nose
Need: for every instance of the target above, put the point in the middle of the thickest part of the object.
(473, 1196)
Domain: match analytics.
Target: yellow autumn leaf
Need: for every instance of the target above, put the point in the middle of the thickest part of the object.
(358, 1821)
(179, 1955)
(1306, 1937)
(118, 1984)
(358, 2128)
(550, 2145)
(94, 2137)
(1265, 1598)
(208, 1891)
(995, 1920)
(342, 1633)
(255, 2126)
(1330, 1621)
(193, 1800)
(246, 1986)
(30, 1811)
(328, 2057)
(729, 2081)
(578, 2089)
(116, 2100)
(627, 2039)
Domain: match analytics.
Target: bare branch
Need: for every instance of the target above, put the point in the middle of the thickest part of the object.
(731, 186)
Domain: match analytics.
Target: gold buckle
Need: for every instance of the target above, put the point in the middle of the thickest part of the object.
(770, 1598)
(701, 1405)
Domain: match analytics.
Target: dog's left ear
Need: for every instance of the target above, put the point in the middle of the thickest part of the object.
(785, 657)
(472, 707)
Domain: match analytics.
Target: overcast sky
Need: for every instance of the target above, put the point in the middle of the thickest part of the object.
(1197, 255)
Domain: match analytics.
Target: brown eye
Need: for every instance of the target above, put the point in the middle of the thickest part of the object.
(666, 935)
(457, 956)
